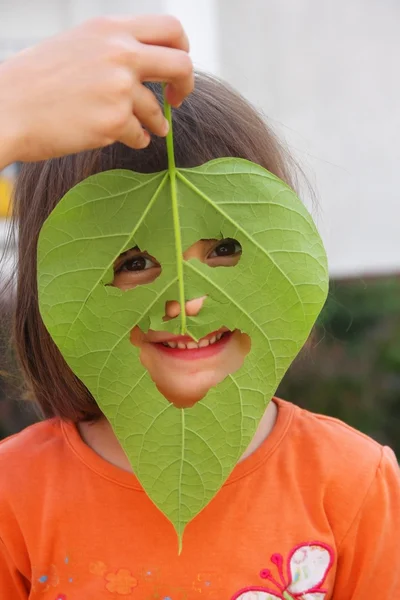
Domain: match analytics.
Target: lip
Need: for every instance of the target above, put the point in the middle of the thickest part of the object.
(185, 338)
(195, 353)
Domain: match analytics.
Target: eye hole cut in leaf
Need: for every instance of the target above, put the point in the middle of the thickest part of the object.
(274, 294)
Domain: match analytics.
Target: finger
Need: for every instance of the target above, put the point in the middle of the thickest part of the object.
(168, 65)
(175, 96)
(158, 30)
(148, 111)
(133, 135)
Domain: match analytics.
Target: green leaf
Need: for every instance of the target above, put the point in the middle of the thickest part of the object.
(181, 456)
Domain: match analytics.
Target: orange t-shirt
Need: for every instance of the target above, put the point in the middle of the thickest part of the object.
(312, 514)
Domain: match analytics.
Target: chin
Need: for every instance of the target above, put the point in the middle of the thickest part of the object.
(185, 397)
(180, 402)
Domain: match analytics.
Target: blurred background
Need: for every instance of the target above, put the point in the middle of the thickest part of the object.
(325, 76)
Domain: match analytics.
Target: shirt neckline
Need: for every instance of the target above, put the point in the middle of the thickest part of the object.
(107, 470)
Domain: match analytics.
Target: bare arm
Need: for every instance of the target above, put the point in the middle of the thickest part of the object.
(84, 89)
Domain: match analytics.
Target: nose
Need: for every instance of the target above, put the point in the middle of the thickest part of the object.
(192, 308)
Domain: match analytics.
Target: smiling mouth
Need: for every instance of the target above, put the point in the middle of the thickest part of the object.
(189, 349)
(192, 345)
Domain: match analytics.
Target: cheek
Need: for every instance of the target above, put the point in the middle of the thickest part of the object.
(147, 356)
(244, 342)
(137, 336)
(239, 344)
(236, 352)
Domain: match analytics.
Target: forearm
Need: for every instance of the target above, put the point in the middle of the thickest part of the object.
(7, 145)
(8, 130)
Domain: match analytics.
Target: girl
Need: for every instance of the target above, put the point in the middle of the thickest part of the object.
(310, 512)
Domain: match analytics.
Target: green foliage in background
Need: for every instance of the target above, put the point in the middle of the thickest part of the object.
(350, 369)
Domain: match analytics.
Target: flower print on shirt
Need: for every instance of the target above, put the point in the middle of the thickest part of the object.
(98, 568)
(122, 582)
(307, 568)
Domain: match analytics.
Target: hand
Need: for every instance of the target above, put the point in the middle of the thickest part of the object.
(84, 89)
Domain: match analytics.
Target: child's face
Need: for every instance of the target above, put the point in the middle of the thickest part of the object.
(182, 369)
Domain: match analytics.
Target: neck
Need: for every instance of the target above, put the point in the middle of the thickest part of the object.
(101, 438)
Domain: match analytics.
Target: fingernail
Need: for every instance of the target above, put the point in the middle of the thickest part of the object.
(165, 127)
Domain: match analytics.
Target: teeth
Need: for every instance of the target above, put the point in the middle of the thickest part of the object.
(192, 345)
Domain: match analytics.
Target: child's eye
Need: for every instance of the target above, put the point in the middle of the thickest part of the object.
(228, 247)
(139, 262)
(135, 268)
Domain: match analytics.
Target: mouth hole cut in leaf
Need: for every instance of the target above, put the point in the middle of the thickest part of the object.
(184, 383)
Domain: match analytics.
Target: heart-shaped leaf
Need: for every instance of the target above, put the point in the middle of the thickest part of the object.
(274, 294)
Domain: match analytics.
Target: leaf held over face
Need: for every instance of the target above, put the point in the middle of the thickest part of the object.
(182, 457)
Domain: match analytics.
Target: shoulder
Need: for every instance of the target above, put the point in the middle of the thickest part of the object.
(335, 442)
(340, 463)
(24, 454)
(37, 436)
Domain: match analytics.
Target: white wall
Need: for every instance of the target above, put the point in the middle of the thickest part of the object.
(327, 74)
(324, 72)
(24, 22)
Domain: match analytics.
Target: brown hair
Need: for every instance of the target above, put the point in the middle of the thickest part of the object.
(214, 121)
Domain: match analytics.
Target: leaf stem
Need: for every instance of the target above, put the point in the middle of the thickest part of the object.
(175, 213)
(170, 139)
